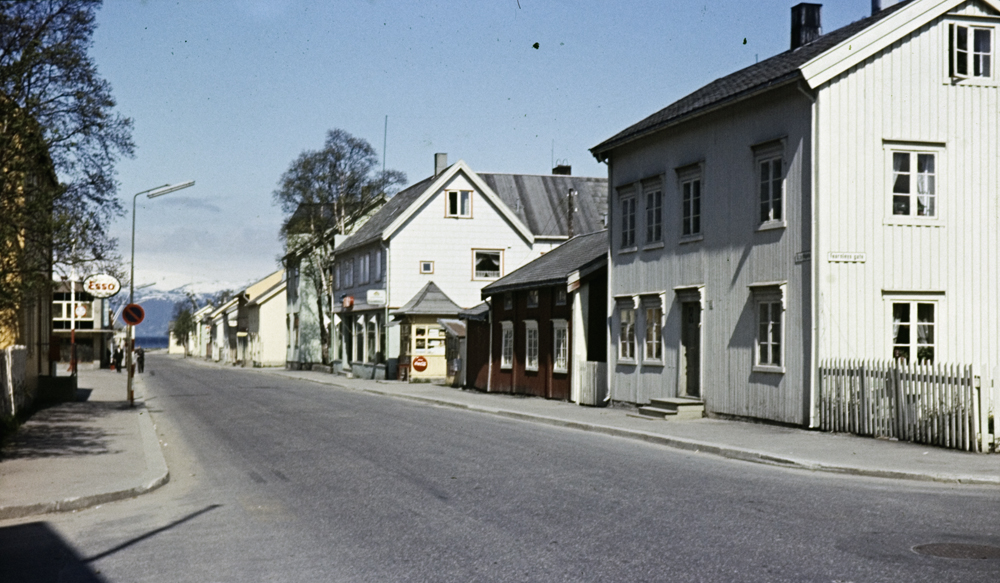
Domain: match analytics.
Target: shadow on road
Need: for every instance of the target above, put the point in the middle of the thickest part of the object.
(35, 553)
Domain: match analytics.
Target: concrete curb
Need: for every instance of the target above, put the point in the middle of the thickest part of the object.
(156, 475)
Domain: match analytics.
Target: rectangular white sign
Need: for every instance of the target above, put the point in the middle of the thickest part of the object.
(376, 297)
(846, 257)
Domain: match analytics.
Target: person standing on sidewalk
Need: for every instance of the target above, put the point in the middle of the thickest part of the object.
(119, 353)
(140, 358)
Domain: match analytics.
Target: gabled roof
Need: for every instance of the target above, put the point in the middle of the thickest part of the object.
(555, 267)
(268, 294)
(429, 301)
(225, 307)
(535, 205)
(779, 70)
(540, 201)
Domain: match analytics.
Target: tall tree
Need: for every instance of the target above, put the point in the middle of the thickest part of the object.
(184, 324)
(327, 192)
(59, 141)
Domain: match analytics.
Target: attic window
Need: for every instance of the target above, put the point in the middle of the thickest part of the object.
(459, 203)
(487, 264)
(971, 51)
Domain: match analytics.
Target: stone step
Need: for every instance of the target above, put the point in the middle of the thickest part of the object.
(650, 411)
(685, 408)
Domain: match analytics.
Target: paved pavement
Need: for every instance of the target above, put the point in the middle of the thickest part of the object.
(97, 450)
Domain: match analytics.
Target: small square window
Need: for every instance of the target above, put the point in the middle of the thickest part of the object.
(533, 298)
(426, 267)
(508, 301)
(560, 296)
(459, 203)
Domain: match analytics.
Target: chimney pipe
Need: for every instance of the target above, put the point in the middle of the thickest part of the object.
(440, 163)
(879, 5)
(806, 23)
(562, 170)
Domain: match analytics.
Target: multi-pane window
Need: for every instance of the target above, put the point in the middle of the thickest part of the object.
(691, 207)
(508, 301)
(628, 222)
(533, 298)
(336, 276)
(769, 333)
(913, 332)
(530, 345)
(64, 311)
(349, 273)
(914, 184)
(487, 264)
(459, 203)
(372, 334)
(626, 334)
(377, 265)
(654, 216)
(363, 268)
(560, 346)
(971, 51)
(654, 337)
(507, 345)
(560, 296)
(771, 180)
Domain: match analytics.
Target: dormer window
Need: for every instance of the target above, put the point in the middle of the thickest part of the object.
(971, 49)
(459, 204)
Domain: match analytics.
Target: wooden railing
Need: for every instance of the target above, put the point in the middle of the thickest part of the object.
(945, 405)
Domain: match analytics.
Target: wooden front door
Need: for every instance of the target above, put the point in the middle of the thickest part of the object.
(690, 365)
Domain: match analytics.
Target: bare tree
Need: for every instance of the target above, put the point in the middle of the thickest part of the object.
(327, 192)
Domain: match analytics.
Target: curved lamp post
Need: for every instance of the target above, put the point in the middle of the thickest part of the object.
(129, 339)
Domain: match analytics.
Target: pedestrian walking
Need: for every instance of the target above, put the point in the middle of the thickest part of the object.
(119, 355)
(140, 358)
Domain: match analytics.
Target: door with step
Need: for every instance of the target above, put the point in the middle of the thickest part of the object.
(690, 356)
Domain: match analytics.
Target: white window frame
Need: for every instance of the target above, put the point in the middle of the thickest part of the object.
(914, 150)
(349, 273)
(769, 335)
(771, 191)
(653, 197)
(627, 223)
(626, 334)
(560, 346)
(531, 345)
(691, 192)
(461, 202)
(336, 276)
(363, 268)
(377, 265)
(652, 346)
(972, 59)
(476, 274)
(506, 345)
(914, 345)
(426, 267)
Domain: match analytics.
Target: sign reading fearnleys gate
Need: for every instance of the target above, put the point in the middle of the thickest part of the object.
(102, 285)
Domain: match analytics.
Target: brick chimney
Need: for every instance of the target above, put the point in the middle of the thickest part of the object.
(440, 163)
(806, 23)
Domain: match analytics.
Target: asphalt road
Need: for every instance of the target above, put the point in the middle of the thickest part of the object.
(279, 480)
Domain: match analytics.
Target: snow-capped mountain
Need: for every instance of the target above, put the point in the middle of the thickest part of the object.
(159, 307)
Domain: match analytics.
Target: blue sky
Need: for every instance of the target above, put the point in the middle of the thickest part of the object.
(228, 93)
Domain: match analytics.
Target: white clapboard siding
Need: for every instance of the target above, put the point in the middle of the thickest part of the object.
(732, 256)
(904, 94)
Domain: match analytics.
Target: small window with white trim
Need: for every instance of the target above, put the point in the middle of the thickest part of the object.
(690, 183)
(487, 264)
(914, 184)
(560, 296)
(560, 346)
(459, 204)
(626, 334)
(770, 180)
(653, 347)
(532, 298)
(426, 267)
(770, 309)
(654, 213)
(507, 345)
(913, 337)
(531, 345)
(628, 222)
(970, 52)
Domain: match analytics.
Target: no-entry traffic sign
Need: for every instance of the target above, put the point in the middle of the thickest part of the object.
(133, 314)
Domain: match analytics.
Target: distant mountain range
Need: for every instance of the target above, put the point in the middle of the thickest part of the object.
(159, 307)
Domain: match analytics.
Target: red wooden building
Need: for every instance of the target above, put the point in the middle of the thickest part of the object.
(548, 324)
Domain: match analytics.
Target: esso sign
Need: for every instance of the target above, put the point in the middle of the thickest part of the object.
(102, 285)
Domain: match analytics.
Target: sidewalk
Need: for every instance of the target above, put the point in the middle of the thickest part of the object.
(754, 442)
(80, 454)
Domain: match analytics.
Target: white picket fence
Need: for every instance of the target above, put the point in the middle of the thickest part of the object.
(952, 406)
(13, 393)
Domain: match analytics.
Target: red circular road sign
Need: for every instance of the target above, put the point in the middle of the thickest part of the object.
(133, 314)
(420, 364)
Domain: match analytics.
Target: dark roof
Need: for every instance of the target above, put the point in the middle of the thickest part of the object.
(479, 313)
(777, 70)
(539, 201)
(429, 301)
(554, 267)
(453, 327)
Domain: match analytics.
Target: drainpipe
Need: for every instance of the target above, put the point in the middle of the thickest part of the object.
(489, 361)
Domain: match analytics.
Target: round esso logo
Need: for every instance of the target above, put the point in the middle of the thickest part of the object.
(102, 285)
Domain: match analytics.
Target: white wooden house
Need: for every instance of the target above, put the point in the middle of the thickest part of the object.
(836, 200)
(459, 230)
(266, 326)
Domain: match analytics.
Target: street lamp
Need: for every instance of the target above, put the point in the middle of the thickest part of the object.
(129, 340)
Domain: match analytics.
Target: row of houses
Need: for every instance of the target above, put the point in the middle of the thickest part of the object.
(838, 200)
